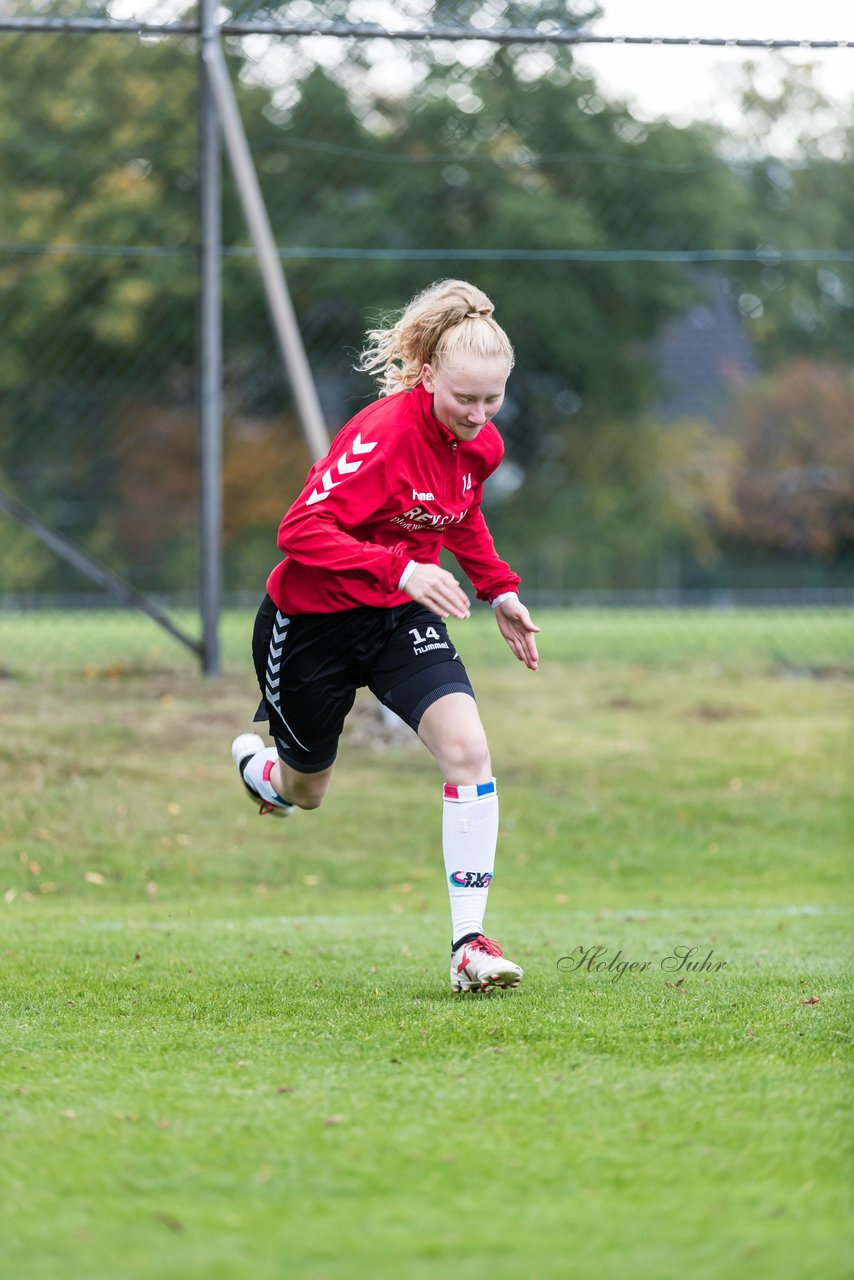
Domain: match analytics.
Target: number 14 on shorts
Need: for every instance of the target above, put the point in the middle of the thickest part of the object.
(429, 641)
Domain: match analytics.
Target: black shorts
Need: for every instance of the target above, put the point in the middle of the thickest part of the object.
(310, 665)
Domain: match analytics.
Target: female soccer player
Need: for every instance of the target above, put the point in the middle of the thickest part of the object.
(360, 598)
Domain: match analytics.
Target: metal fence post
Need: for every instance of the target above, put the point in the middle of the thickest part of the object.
(210, 354)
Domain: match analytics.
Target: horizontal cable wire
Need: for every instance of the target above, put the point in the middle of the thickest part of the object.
(369, 30)
(365, 154)
(767, 255)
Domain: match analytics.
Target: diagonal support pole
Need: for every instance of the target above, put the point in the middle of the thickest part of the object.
(279, 301)
(93, 569)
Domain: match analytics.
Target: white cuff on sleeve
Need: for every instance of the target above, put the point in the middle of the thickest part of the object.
(407, 574)
(505, 595)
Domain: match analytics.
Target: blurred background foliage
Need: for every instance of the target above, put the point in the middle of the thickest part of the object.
(668, 423)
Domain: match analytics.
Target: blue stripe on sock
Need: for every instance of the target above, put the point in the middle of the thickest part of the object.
(485, 788)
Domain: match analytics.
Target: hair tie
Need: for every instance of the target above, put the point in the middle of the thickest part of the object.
(479, 314)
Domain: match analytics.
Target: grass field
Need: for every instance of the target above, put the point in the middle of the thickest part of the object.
(229, 1044)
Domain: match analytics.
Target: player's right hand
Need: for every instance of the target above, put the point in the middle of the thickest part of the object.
(437, 590)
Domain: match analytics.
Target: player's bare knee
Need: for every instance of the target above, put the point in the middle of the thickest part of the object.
(465, 758)
(308, 801)
(305, 790)
(306, 793)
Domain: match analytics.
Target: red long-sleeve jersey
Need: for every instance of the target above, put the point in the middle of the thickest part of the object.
(395, 486)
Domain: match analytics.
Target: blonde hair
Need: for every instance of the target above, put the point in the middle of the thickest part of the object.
(450, 318)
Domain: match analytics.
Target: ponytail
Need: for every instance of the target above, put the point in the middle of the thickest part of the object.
(449, 319)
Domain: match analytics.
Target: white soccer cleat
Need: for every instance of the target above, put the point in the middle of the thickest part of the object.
(242, 750)
(479, 965)
(246, 746)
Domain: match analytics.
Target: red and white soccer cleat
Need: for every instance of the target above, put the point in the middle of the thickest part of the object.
(242, 751)
(479, 965)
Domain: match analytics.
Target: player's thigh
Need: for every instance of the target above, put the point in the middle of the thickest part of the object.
(451, 730)
(416, 664)
(422, 678)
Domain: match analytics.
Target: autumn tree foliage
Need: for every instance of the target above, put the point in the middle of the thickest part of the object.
(155, 517)
(793, 485)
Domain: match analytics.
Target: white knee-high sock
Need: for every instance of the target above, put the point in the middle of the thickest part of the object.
(469, 837)
(257, 774)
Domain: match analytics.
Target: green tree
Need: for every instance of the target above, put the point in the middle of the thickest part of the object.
(485, 159)
(801, 197)
(517, 151)
(97, 154)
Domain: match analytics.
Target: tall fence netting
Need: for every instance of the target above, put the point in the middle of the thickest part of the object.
(680, 294)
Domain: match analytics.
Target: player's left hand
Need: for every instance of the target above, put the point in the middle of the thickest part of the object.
(514, 623)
